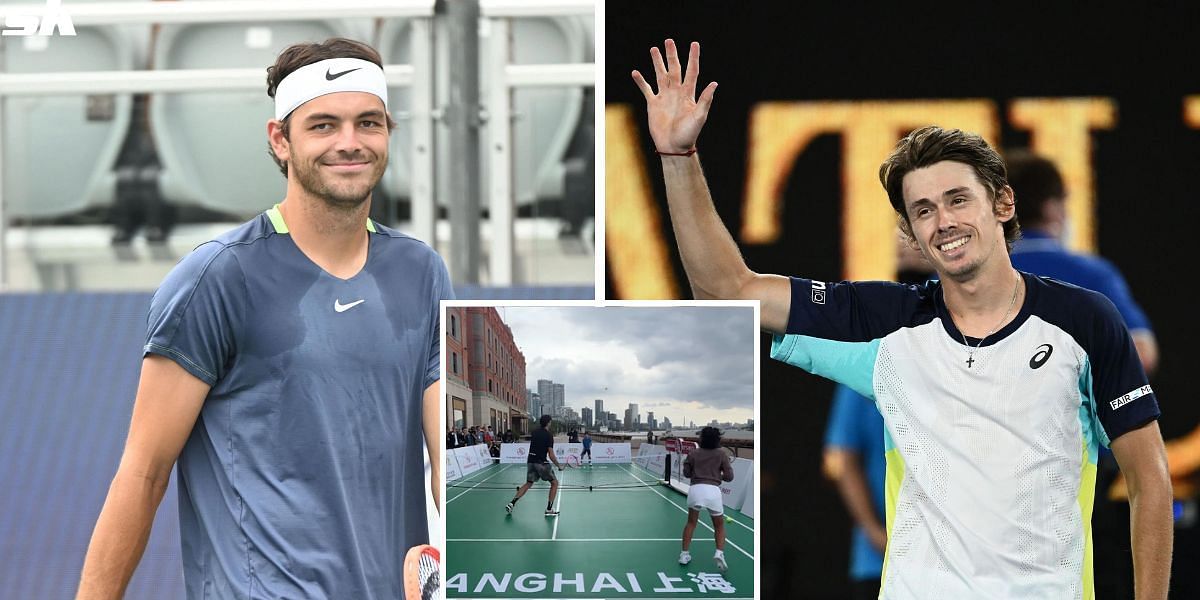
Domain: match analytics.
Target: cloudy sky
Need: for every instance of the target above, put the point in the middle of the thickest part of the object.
(682, 362)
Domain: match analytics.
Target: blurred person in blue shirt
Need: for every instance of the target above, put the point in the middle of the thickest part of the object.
(1042, 211)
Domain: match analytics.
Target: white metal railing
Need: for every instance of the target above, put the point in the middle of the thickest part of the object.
(174, 80)
(223, 11)
(504, 78)
(418, 75)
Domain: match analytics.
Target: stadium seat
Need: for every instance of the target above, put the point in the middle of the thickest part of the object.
(545, 118)
(59, 150)
(544, 121)
(213, 145)
(394, 47)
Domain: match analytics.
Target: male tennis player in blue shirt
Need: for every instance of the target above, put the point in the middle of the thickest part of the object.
(291, 367)
(587, 447)
(997, 388)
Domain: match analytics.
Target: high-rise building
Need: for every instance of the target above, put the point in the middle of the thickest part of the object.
(559, 398)
(553, 397)
(650, 422)
(629, 418)
(545, 392)
(666, 423)
(599, 409)
(634, 417)
(587, 416)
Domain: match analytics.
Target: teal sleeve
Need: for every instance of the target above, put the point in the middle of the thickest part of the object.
(849, 363)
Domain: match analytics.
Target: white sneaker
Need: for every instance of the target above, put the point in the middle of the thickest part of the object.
(720, 560)
(685, 557)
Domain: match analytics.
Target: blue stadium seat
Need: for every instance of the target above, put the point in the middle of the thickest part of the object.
(59, 151)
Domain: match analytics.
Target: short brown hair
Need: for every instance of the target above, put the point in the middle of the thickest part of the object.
(307, 53)
(932, 144)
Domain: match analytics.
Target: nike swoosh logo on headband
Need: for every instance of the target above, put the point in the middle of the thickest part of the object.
(331, 76)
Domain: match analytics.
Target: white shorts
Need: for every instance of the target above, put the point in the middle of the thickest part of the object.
(704, 495)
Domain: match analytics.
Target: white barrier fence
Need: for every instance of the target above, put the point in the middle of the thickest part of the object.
(656, 458)
(461, 462)
(737, 494)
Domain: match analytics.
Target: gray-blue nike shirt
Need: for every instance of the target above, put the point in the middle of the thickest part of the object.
(303, 476)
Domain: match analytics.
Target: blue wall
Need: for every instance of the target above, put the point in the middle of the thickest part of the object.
(68, 373)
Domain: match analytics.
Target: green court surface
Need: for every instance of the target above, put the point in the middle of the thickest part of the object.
(607, 543)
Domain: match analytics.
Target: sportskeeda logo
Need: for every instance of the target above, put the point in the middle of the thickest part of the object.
(818, 292)
(44, 25)
(1130, 397)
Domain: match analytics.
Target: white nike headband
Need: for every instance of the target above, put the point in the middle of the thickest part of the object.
(327, 77)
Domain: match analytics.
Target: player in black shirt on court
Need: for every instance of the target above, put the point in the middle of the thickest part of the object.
(541, 446)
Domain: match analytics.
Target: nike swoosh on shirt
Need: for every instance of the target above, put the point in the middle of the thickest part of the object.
(331, 76)
(338, 306)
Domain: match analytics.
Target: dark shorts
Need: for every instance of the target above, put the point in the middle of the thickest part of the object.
(586, 452)
(536, 471)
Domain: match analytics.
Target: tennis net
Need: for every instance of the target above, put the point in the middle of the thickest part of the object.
(641, 472)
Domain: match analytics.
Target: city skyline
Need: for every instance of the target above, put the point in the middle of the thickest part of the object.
(684, 363)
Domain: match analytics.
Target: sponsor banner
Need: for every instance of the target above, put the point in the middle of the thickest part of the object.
(655, 458)
(677, 469)
(612, 453)
(482, 454)
(452, 470)
(671, 445)
(514, 453)
(562, 451)
(686, 446)
(747, 507)
(468, 460)
(733, 493)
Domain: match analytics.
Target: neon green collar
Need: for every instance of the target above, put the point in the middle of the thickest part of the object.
(281, 227)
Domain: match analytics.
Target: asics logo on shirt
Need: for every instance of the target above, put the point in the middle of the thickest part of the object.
(1041, 356)
(338, 306)
(818, 292)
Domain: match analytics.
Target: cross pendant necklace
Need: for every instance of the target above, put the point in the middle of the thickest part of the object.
(971, 351)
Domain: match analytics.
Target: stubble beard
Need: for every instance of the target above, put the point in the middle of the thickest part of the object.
(345, 196)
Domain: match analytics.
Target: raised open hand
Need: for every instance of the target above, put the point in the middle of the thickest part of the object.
(675, 115)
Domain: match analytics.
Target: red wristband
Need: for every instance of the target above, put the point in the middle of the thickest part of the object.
(688, 153)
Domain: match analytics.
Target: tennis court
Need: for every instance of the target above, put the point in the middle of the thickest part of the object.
(617, 536)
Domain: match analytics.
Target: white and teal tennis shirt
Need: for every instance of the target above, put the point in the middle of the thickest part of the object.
(991, 466)
(303, 476)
